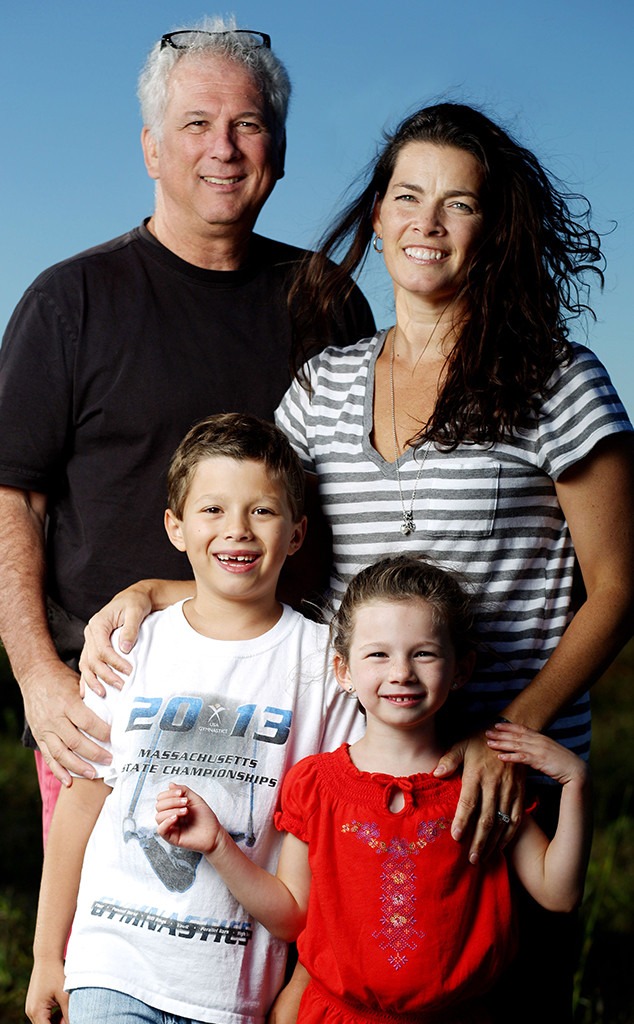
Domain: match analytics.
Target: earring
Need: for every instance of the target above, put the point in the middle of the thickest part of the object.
(375, 243)
(351, 689)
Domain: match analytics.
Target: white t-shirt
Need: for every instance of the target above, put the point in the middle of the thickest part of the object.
(488, 510)
(226, 718)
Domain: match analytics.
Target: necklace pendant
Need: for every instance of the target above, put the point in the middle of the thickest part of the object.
(408, 525)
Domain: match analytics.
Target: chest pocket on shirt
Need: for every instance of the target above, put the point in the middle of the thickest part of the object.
(460, 496)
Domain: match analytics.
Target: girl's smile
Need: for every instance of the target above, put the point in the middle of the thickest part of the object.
(402, 663)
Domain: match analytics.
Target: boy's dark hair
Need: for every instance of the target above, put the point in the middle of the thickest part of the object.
(241, 437)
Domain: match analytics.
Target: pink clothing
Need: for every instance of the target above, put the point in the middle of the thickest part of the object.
(49, 791)
(399, 922)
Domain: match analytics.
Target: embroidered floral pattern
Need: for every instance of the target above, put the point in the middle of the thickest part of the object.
(398, 932)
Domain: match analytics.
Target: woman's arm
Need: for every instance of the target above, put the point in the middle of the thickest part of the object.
(553, 872)
(127, 610)
(597, 498)
(279, 902)
(75, 815)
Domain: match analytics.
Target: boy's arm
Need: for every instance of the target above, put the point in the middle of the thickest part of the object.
(279, 902)
(552, 872)
(286, 1004)
(75, 814)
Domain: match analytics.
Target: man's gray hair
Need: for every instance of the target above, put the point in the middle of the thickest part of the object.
(268, 72)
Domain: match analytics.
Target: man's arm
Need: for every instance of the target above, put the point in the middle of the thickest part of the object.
(50, 690)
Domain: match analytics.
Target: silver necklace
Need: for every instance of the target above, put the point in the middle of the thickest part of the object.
(407, 521)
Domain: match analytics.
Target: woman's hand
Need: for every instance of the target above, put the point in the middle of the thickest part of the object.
(492, 792)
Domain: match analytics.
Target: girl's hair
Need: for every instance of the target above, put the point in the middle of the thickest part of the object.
(401, 578)
(522, 285)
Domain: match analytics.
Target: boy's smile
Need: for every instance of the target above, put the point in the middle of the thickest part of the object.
(237, 530)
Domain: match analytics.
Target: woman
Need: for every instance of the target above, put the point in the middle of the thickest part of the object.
(473, 430)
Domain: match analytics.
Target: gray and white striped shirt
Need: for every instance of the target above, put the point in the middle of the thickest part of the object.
(489, 511)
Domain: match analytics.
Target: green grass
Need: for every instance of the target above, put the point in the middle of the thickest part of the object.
(605, 980)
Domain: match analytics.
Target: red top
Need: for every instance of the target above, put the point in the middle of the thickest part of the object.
(398, 921)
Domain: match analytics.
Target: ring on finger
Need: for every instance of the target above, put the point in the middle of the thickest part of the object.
(504, 818)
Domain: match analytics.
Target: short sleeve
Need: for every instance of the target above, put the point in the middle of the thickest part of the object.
(299, 798)
(582, 409)
(106, 708)
(103, 707)
(35, 374)
(292, 416)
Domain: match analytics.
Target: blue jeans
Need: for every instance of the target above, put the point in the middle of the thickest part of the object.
(106, 1006)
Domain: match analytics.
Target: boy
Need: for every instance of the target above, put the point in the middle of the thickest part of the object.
(228, 690)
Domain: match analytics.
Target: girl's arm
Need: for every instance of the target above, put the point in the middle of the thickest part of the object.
(552, 872)
(596, 497)
(279, 902)
(127, 609)
(75, 814)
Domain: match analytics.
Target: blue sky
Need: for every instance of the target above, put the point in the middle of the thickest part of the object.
(557, 74)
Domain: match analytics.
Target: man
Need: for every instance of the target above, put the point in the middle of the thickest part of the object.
(112, 355)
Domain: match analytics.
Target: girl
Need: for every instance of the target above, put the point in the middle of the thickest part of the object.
(394, 922)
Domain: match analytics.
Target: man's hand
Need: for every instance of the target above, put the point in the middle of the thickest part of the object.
(488, 787)
(99, 660)
(127, 609)
(55, 713)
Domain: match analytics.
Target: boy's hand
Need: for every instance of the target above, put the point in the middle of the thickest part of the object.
(184, 819)
(46, 998)
(518, 744)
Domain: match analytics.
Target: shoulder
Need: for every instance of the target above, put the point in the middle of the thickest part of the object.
(309, 629)
(580, 408)
(74, 265)
(275, 253)
(307, 643)
(335, 362)
(582, 371)
(167, 625)
(304, 780)
(581, 394)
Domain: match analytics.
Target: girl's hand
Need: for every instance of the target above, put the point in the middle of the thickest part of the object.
(184, 819)
(517, 744)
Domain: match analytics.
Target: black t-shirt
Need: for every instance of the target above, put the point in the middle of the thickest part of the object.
(108, 359)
